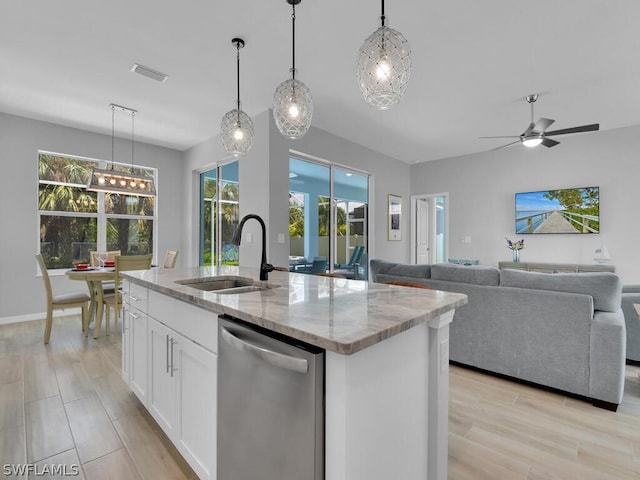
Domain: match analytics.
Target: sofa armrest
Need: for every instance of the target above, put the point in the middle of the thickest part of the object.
(607, 359)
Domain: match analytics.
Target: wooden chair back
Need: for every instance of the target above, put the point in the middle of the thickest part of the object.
(170, 259)
(111, 256)
(45, 278)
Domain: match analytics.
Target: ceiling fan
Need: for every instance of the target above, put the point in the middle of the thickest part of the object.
(536, 133)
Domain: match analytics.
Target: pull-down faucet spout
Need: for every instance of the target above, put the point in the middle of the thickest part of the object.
(265, 267)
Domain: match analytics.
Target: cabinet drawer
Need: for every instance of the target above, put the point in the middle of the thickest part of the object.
(195, 323)
(138, 297)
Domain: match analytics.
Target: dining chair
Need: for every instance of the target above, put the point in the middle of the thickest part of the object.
(170, 259)
(114, 300)
(67, 300)
(111, 256)
(107, 287)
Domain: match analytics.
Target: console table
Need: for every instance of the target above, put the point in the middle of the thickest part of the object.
(556, 267)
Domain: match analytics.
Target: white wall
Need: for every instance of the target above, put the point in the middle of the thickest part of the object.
(21, 291)
(482, 188)
(264, 187)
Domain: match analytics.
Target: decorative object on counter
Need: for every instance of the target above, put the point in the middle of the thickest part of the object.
(395, 217)
(236, 129)
(265, 267)
(119, 181)
(601, 254)
(384, 66)
(515, 247)
(292, 100)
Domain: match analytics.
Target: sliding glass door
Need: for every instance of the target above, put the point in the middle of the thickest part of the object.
(328, 217)
(219, 215)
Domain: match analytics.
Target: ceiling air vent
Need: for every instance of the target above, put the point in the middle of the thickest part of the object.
(149, 72)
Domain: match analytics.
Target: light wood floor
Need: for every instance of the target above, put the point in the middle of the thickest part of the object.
(65, 403)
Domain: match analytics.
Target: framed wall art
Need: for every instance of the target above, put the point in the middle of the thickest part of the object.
(395, 217)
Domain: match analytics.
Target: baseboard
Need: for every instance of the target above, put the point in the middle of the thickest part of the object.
(39, 316)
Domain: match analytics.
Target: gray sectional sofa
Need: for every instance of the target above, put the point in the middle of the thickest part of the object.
(631, 295)
(565, 331)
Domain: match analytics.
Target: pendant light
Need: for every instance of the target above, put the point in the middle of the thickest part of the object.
(115, 181)
(292, 101)
(384, 66)
(236, 129)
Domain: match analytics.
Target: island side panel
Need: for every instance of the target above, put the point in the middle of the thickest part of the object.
(378, 413)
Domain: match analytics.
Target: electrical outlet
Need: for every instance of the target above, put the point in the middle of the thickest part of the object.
(281, 238)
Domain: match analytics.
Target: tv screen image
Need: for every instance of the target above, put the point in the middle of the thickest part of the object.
(569, 210)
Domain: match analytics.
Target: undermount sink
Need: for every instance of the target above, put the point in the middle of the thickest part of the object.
(227, 284)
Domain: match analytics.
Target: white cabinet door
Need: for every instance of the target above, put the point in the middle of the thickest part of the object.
(196, 387)
(162, 397)
(136, 336)
(126, 346)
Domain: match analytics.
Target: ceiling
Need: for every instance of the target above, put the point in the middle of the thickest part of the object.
(473, 64)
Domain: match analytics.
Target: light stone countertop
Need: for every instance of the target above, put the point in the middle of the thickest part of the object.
(337, 314)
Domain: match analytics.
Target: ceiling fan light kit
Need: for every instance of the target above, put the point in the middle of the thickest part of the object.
(236, 128)
(537, 134)
(292, 100)
(384, 66)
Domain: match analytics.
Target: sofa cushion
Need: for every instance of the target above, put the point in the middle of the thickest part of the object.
(399, 269)
(604, 287)
(475, 274)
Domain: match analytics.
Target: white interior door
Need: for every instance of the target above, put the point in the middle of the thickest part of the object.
(422, 231)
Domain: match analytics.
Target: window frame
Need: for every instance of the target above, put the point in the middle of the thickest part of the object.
(100, 214)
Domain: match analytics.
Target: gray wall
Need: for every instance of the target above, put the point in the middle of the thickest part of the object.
(264, 187)
(22, 291)
(482, 188)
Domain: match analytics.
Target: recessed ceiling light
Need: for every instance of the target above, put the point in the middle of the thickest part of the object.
(149, 72)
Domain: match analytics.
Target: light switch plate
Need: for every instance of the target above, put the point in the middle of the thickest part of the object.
(281, 238)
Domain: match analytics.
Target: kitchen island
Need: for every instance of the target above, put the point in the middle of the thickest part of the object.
(386, 364)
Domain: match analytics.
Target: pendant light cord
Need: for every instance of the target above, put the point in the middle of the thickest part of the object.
(238, 75)
(133, 114)
(382, 17)
(113, 134)
(293, 29)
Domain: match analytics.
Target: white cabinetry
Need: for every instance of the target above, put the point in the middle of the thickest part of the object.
(179, 347)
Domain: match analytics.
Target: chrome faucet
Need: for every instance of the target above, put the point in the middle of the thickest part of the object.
(265, 267)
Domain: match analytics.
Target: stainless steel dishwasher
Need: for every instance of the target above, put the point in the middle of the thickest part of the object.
(270, 406)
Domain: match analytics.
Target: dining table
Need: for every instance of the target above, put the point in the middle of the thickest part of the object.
(94, 277)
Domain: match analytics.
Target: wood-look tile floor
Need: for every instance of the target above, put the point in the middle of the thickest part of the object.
(65, 403)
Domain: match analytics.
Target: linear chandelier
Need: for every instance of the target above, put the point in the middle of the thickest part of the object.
(236, 128)
(115, 181)
(292, 100)
(384, 66)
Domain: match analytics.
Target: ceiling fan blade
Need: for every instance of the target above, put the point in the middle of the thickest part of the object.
(509, 136)
(542, 124)
(529, 129)
(584, 128)
(503, 146)
(549, 142)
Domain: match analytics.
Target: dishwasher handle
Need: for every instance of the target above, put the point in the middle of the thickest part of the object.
(276, 359)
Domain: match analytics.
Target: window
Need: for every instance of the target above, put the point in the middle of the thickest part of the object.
(73, 221)
(219, 212)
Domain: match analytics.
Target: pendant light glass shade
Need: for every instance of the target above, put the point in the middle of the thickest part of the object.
(236, 131)
(292, 100)
(111, 180)
(384, 66)
(236, 128)
(292, 108)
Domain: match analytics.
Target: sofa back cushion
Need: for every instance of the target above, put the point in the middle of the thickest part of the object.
(398, 269)
(475, 274)
(604, 287)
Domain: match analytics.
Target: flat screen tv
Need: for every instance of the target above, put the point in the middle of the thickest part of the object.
(569, 210)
